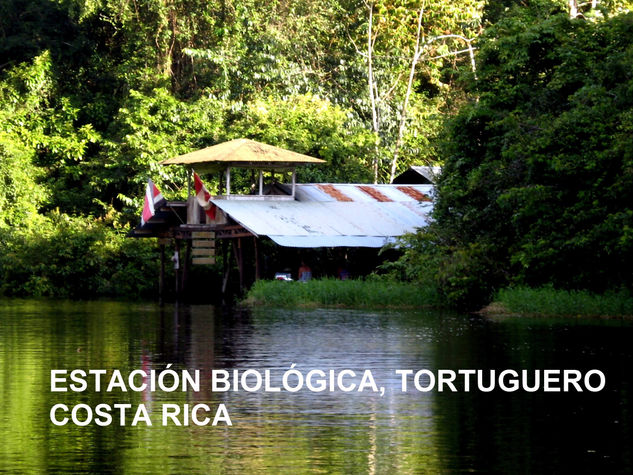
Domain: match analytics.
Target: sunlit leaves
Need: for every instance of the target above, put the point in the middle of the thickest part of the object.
(313, 126)
(151, 127)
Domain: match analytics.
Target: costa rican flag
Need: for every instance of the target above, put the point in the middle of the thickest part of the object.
(203, 196)
(153, 199)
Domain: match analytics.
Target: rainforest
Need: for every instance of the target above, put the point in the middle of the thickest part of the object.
(526, 105)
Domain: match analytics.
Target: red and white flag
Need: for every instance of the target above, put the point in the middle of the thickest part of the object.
(203, 196)
(153, 199)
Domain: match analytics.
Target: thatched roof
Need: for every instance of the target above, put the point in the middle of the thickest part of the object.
(243, 153)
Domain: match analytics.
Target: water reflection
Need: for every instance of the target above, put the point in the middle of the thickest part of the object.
(356, 432)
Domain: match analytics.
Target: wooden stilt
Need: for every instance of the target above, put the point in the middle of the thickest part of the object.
(161, 277)
(237, 249)
(257, 270)
(185, 268)
(177, 245)
(241, 263)
(226, 263)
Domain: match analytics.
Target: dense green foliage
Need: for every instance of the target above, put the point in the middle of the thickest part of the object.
(547, 301)
(537, 163)
(69, 258)
(99, 92)
(95, 93)
(537, 185)
(333, 292)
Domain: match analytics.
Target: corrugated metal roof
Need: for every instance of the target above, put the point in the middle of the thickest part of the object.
(358, 193)
(330, 215)
(430, 173)
(242, 151)
(331, 241)
(418, 175)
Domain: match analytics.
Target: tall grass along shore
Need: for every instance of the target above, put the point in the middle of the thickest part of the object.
(547, 301)
(346, 293)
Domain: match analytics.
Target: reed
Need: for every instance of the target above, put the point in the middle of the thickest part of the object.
(547, 301)
(346, 293)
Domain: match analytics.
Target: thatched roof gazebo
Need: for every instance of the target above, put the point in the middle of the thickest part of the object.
(244, 153)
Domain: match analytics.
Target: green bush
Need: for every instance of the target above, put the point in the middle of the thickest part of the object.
(467, 277)
(75, 258)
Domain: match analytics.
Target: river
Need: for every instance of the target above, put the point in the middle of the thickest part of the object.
(310, 431)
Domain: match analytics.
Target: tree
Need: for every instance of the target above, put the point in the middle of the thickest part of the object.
(428, 35)
(313, 126)
(41, 123)
(537, 183)
(151, 127)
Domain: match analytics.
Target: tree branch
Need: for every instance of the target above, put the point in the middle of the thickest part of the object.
(418, 52)
(373, 91)
(403, 112)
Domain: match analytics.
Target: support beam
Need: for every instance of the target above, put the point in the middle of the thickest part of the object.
(161, 277)
(228, 181)
(226, 263)
(185, 268)
(257, 269)
(261, 182)
(177, 270)
(237, 250)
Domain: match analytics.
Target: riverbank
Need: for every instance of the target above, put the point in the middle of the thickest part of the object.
(341, 293)
(519, 301)
(549, 302)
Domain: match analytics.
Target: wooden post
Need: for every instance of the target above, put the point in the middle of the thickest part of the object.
(261, 182)
(237, 249)
(226, 264)
(257, 276)
(177, 271)
(240, 263)
(185, 267)
(294, 181)
(228, 181)
(161, 277)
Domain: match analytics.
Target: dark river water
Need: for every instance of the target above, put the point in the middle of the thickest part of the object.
(388, 431)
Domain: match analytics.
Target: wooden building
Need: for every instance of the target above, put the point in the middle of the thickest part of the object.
(293, 215)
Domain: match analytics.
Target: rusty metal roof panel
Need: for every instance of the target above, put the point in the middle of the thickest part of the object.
(362, 193)
(311, 193)
(333, 214)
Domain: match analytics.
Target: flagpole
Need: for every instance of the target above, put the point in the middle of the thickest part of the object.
(189, 179)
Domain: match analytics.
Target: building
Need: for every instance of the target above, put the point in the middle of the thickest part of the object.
(290, 214)
(418, 175)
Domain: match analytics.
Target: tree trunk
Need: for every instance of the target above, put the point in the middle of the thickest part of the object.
(403, 111)
(372, 89)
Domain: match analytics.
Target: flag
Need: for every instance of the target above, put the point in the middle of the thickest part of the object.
(153, 199)
(203, 196)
